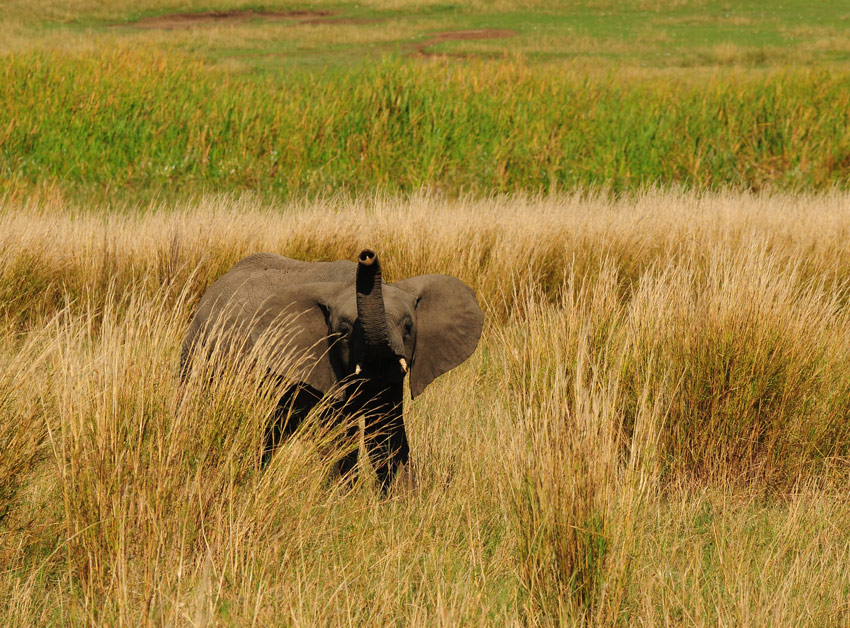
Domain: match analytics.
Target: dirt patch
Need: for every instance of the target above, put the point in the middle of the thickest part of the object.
(421, 48)
(172, 21)
(341, 20)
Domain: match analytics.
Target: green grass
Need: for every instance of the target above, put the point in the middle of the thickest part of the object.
(619, 95)
(133, 122)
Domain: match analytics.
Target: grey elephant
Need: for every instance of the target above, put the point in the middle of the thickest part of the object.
(358, 337)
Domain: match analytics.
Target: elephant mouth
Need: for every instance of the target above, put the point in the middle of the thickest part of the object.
(402, 366)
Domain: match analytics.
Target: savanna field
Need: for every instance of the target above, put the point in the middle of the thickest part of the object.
(650, 200)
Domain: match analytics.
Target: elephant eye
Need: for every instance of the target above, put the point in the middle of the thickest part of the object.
(345, 328)
(408, 327)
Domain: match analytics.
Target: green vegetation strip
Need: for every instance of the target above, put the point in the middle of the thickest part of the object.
(135, 120)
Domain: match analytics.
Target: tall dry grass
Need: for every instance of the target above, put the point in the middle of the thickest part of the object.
(653, 430)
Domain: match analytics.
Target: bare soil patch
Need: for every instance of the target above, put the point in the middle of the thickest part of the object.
(170, 21)
(421, 47)
(341, 20)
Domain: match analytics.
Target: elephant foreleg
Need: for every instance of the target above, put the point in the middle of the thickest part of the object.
(386, 443)
(292, 407)
(346, 447)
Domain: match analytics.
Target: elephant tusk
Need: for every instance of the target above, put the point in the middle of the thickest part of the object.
(403, 363)
(357, 370)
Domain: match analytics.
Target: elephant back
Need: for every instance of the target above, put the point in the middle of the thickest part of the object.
(251, 282)
(283, 271)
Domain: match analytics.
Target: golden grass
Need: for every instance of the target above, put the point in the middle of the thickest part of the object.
(653, 429)
(276, 36)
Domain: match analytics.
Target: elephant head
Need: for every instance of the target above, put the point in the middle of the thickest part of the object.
(424, 325)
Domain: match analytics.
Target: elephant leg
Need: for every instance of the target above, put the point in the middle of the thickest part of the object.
(386, 442)
(291, 409)
(345, 466)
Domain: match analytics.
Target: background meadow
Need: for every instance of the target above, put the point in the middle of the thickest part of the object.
(128, 124)
(650, 201)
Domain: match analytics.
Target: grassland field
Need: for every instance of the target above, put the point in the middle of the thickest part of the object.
(650, 199)
(639, 33)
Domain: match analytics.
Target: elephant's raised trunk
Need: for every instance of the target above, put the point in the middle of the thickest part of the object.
(370, 305)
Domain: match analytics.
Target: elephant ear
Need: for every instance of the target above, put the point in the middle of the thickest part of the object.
(290, 334)
(448, 326)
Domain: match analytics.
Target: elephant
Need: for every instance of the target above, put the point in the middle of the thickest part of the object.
(358, 337)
